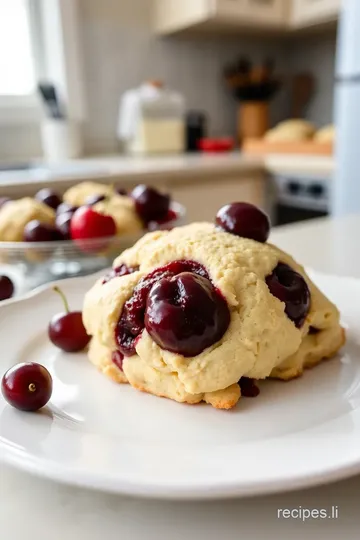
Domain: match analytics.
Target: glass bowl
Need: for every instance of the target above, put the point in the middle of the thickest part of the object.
(31, 264)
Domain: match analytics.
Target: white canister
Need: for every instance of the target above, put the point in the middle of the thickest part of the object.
(152, 120)
(61, 139)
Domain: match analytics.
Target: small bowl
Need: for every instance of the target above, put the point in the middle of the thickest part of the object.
(31, 264)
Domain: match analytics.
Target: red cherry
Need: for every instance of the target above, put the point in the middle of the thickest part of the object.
(35, 231)
(94, 199)
(27, 387)
(66, 208)
(87, 223)
(48, 197)
(66, 330)
(6, 288)
(185, 314)
(62, 223)
(149, 203)
(245, 220)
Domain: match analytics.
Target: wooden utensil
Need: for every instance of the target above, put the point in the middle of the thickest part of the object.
(303, 88)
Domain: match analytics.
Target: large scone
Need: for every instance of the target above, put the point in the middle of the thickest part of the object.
(260, 341)
(15, 215)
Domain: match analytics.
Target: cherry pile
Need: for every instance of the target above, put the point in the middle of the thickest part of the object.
(191, 316)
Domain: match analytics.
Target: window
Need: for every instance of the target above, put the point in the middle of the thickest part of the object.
(17, 64)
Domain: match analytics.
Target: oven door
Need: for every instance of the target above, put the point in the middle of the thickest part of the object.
(285, 213)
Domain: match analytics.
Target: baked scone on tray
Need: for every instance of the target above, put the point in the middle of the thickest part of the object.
(189, 314)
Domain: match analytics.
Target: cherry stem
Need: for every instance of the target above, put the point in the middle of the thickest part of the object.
(32, 387)
(63, 297)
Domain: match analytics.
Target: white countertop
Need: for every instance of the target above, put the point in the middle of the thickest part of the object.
(131, 169)
(38, 509)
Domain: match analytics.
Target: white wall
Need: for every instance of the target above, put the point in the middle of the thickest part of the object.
(121, 52)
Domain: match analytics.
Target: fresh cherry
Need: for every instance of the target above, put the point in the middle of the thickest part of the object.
(291, 288)
(131, 322)
(3, 201)
(66, 208)
(62, 223)
(48, 197)
(245, 220)
(6, 288)
(185, 314)
(248, 387)
(66, 330)
(87, 223)
(27, 386)
(35, 231)
(117, 358)
(93, 199)
(149, 203)
(170, 217)
(119, 271)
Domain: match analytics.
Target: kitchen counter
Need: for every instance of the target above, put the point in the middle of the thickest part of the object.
(49, 510)
(173, 169)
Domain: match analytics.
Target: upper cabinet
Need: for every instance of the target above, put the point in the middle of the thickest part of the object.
(172, 16)
(262, 13)
(313, 12)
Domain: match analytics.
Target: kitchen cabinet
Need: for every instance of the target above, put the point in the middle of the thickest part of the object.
(173, 16)
(307, 13)
(203, 198)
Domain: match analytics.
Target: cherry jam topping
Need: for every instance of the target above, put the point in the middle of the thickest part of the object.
(119, 271)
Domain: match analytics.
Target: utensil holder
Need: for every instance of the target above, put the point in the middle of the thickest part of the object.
(61, 139)
(253, 119)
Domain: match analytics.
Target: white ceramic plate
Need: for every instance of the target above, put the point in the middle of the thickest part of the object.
(110, 437)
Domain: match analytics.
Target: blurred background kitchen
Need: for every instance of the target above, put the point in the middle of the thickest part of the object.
(211, 100)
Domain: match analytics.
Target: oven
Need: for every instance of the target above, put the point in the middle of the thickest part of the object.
(299, 198)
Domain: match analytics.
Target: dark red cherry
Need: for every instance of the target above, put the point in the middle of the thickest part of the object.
(6, 288)
(117, 357)
(170, 217)
(185, 314)
(35, 231)
(150, 204)
(248, 387)
(48, 197)
(66, 330)
(245, 220)
(291, 288)
(66, 208)
(131, 322)
(94, 199)
(27, 387)
(119, 271)
(62, 223)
